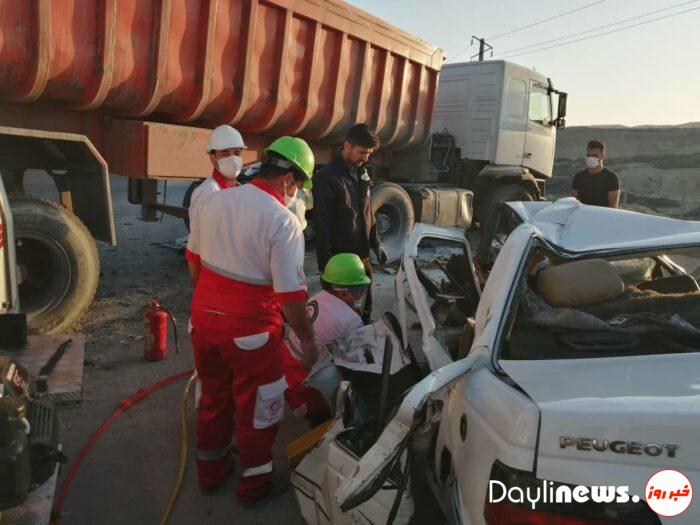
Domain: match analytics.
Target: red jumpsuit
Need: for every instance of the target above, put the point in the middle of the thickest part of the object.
(251, 249)
(201, 193)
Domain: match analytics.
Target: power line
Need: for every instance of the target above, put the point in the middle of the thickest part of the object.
(545, 20)
(529, 25)
(603, 34)
(462, 50)
(598, 28)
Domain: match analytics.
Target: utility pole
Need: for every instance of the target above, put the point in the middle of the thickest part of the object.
(483, 47)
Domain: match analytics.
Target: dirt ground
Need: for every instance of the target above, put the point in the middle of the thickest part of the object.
(127, 477)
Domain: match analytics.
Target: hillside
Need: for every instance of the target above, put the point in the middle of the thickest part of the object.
(659, 166)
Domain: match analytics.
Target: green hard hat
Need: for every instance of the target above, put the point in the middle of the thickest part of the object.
(297, 152)
(345, 269)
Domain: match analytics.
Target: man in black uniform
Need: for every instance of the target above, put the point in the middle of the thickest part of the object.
(596, 185)
(342, 209)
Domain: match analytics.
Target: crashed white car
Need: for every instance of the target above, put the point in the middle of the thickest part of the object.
(555, 400)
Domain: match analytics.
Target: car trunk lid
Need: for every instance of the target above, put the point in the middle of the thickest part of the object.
(614, 420)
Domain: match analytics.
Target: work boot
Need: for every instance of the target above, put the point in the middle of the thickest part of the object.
(251, 490)
(210, 486)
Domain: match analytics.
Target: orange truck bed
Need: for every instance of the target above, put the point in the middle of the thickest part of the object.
(145, 80)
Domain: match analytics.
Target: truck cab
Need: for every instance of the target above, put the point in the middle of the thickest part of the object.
(492, 140)
(501, 114)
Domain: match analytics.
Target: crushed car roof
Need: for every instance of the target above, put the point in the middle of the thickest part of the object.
(576, 227)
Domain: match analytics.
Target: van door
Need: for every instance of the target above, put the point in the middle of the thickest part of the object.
(538, 154)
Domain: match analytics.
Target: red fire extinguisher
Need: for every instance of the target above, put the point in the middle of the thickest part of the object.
(156, 341)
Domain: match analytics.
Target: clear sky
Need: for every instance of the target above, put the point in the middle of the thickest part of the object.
(644, 75)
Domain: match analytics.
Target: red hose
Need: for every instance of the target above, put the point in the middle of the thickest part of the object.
(124, 405)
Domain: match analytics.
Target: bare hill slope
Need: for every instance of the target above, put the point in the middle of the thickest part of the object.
(659, 166)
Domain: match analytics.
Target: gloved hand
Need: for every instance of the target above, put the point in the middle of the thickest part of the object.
(381, 254)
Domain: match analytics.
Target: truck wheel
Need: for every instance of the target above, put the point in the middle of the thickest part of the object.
(188, 198)
(393, 211)
(57, 261)
(504, 193)
(488, 216)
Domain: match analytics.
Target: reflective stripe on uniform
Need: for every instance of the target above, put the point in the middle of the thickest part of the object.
(212, 455)
(254, 471)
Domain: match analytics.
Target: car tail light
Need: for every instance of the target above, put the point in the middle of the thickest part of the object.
(506, 512)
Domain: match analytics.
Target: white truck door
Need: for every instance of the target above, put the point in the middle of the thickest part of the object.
(538, 153)
(513, 123)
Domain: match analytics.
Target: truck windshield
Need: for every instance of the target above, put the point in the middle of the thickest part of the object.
(540, 107)
(600, 308)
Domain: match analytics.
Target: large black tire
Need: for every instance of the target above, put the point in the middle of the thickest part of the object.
(58, 264)
(393, 211)
(488, 214)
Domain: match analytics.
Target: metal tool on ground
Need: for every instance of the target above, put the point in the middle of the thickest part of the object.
(40, 383)
(156, 340)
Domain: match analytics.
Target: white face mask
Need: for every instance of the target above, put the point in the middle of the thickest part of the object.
(298, 208)
(230, 166)
(360, 304)
(289, 199)
(592, 162)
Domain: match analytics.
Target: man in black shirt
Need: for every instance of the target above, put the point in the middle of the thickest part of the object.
(343, 214)
(596, 185)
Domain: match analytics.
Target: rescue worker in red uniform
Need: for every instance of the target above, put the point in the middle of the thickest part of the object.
(246, 256)
(334, 312)
(225, 147)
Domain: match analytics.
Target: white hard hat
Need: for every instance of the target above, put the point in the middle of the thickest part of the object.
(224, 137)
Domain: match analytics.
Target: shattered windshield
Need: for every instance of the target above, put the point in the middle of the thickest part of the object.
(600, 308)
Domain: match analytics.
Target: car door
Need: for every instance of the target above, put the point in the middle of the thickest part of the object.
(411, 290)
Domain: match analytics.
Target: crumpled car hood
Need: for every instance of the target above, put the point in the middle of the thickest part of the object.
(576, 227)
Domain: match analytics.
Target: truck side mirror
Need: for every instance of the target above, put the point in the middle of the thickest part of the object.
(561, 111)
